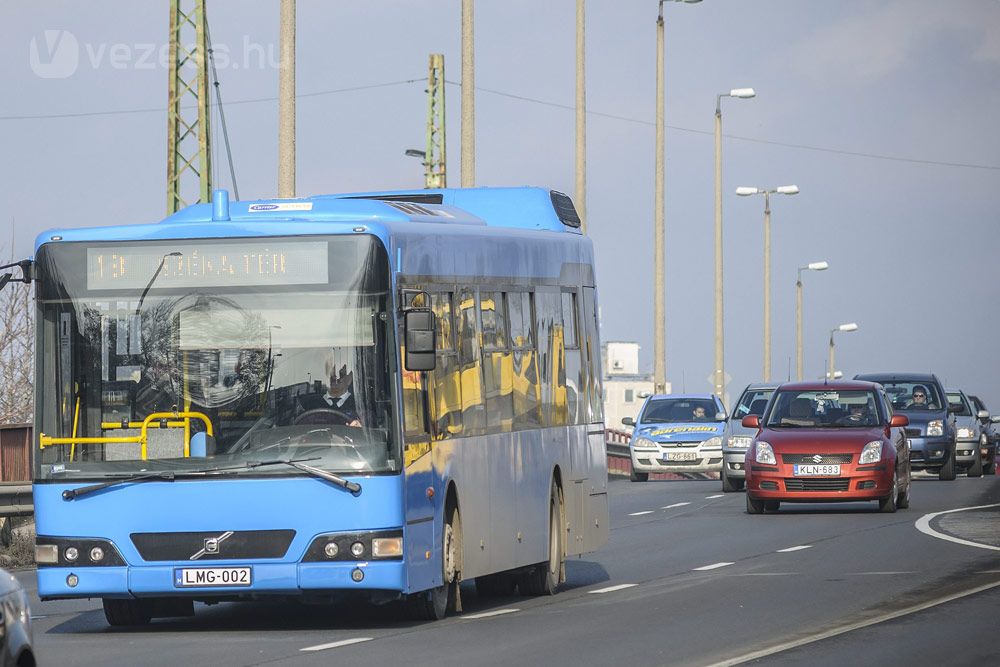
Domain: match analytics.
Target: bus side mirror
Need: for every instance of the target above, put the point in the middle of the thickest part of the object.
(4, 279)
(420, 334)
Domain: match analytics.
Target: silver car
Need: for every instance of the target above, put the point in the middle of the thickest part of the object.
(970, 436)
(736, 439)
(15, 624)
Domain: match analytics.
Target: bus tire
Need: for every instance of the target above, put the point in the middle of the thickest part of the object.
(434, 605)
(544, 577)
(126, 612)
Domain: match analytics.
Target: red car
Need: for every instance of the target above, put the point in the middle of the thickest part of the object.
(821, 442)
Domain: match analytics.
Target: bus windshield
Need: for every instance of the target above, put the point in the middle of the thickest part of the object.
(197, 354)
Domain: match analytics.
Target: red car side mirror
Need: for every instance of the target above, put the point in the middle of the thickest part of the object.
(899, 420)
(753, 421)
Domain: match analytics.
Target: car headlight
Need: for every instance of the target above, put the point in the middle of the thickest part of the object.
(872, 453)
(764, 454)
(965, 432)
(712, 443)
(740, 441)
(639, 443)
(935, 427)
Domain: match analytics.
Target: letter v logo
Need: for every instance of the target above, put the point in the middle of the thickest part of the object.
(57, 58)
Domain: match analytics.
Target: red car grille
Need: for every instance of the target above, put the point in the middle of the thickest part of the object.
(812, 458)
(819, 484)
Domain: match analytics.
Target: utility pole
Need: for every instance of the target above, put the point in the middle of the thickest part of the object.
(286, 102)
(468, 99)
(189, 157)
(435, 175)
(659, 320)
(581, 120)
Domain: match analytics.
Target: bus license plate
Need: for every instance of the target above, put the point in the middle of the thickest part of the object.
(680, 456)
(810, 470)
(189, 577)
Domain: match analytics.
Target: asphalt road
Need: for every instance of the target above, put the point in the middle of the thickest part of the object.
(687, 578)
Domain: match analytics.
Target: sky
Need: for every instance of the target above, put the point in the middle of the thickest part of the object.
(883, 112)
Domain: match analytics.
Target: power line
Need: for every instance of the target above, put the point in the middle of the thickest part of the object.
(253, 100)
(824, 149)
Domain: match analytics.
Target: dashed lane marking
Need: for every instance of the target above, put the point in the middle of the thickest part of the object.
(345, 642)
(713, 566)
(641, 513)
(670, 507)
(718, 495)
(611, 589)
(487, 614)
(923, 524)
(791, 549)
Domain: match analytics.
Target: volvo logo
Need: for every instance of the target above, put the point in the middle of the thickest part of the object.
(817, 458)
(212, 545)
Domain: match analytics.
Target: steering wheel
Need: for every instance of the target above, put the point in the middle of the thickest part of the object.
(323, 416)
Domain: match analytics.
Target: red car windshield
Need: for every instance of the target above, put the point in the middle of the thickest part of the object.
(825, 409)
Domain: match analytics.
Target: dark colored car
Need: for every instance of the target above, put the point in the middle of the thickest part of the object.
(15, 624)
(931, 433)
(992, 433)
(827, 442)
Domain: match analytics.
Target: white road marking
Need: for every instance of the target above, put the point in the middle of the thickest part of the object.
(719, 495)
(766, 574)
(710, 567)
(611, 589)
(778, 648)
(487, 614)
(868, 574)
(923, 524)
(791, 549)
(670, 507)
(641, 513)
(345, 642)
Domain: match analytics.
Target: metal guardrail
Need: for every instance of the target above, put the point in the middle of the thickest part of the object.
(15, 500)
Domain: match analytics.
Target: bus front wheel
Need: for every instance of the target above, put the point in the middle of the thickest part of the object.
(433, 605)
(126, 612)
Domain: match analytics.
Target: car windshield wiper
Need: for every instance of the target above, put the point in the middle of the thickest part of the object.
(168, 476)
(353, 487)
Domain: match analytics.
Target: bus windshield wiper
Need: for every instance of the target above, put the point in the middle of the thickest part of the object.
(353, 487)
(70, 494)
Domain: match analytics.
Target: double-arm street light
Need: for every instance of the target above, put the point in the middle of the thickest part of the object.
(659, 318)
(812, 266)
(746, 192)
(720, 368)
(850, 326)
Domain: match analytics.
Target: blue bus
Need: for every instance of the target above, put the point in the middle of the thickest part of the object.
(376, 393)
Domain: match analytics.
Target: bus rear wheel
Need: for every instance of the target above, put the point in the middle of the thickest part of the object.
(126, 612)
(544, 577)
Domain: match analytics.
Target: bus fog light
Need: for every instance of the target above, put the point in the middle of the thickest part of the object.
(387, 547)
(96, 554)
(331, 550)
(357, 549)
(357, 574)
(71, 554)
(47, 554)
(72, 580)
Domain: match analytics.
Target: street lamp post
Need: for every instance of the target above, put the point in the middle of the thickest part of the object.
(746, 192)
(850, 326)
(812, 266)
(659, 318)
(720, 370)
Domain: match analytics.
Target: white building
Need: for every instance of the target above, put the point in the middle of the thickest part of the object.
(625, 388)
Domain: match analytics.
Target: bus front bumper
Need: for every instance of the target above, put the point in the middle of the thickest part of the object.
(288, 579)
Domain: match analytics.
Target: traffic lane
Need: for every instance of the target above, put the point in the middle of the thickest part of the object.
(960, 632)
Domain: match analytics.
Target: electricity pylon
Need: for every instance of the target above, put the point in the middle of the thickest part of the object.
(434, 160)
(188, 127)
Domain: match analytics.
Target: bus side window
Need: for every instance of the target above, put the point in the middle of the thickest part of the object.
(524, 362)
(592, 352)
(470, 364)
(444, 382)
(576, 378)
(551, 356)
(497, 363)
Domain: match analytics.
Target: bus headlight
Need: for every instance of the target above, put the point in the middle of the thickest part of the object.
(387, 547)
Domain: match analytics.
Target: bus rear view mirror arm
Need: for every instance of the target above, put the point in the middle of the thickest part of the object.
(26, 274)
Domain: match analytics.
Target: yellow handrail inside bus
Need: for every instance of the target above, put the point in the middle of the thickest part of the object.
(154, 420)
(76, 421)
